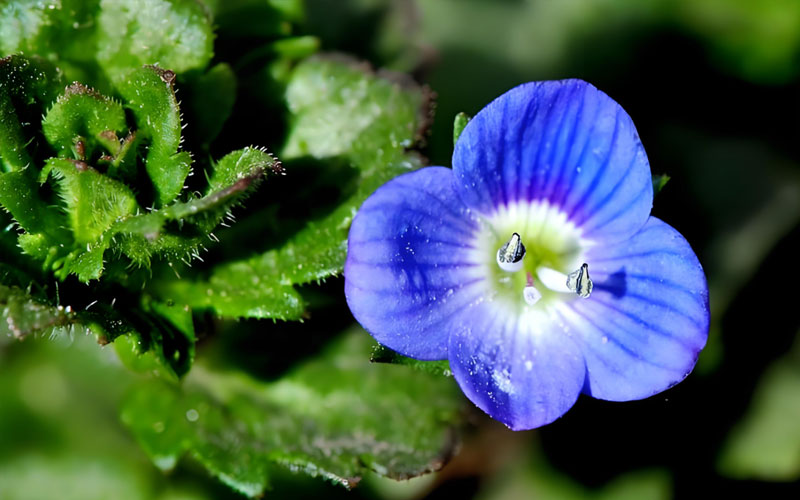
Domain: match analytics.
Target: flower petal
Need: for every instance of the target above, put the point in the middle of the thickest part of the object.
(561, 141)
(518, 373)
(409, 267)
(647, 318)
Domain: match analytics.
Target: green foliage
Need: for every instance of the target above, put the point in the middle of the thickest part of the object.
(766, 443)
(78, 214)
(27, 86)
(49, 28)
(382, 354)
(102, 215)
(22, 315)
(101, 39)
(535, 478)
(339, 111)
(211, 101)
(459, 123)
(335, 416)
(175, 33)
(99, 209)
(82, 121)
(149, 94)
(659, 181)
(758, 40)
(61, 437)
(93, 201)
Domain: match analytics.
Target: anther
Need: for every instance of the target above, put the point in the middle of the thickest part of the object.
(510, 255)
(579, 281)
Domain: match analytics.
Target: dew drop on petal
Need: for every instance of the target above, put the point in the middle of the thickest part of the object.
(502, 379)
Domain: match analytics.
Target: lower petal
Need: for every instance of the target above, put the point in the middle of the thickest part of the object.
(409, 268)
(647, 318)
(518, 373)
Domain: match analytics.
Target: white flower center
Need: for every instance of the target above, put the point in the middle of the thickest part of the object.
(533, 255)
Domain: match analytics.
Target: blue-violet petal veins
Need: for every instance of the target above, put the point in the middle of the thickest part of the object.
(410, 267)
(561, 141)
(647, 319)
(517, 369)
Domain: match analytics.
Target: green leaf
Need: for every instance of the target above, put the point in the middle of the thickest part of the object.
(247, 289)
(337, 416)
(255, 19)
(459, 123)
(83, 120)
(19, 195)
(21, 315)
(27, 87)
(382, 354)
(233, 178)
(340, 111)
(659, 181)
(149, 94)
(48, 27)
(211, 101)
(162, 339)
(60, 397)
(765, 444)
(175, 34)
(94, 202)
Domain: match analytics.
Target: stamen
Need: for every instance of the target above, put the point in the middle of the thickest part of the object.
(579, 281)
(553, 279)
(510, 255)
(530, 293)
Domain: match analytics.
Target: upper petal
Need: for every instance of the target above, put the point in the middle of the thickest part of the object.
(409, 270)
(647, 318)
(561, 141)
(519, 369)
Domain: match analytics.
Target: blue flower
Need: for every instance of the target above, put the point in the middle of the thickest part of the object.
(533, 265)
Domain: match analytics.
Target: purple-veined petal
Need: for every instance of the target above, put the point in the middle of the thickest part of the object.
(561, 141)
(647, 318)
(409, 270)
(517, 368)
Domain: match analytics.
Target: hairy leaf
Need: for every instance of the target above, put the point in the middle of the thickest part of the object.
(339, 111)
(234, 177)
(149, 95)
(27, 87)
(175, 34)
(94, 202)
(21, 315)
(336, 417)
(81, 121)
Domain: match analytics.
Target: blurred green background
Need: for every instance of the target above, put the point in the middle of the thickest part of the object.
(714, 89)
